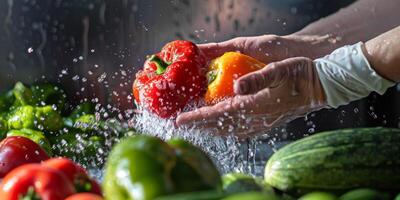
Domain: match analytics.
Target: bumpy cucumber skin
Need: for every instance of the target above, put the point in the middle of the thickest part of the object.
(338, 160)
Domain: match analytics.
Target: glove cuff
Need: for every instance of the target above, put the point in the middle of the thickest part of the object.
(346, 75)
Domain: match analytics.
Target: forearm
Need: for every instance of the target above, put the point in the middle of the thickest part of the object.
(383, 53)
(360, 21)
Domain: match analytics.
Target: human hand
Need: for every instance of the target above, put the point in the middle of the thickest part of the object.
(266, 98)
(272, 48)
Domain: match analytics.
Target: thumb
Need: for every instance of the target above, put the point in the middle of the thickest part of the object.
(269, 76)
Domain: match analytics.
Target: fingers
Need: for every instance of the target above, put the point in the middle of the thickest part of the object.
(270, 76)
(203, 113)
(213, 50)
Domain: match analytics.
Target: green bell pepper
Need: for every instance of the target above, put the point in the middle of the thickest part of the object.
(253, 196)
(23, 95)
(35, 136)
(397, 197)
(40, 118)
(6, 101)
(3, 127)
(365, 194)
(199, 195)
(145, 167)
(84, 150)
(82, 109)
(49, 94)
(86, 123)
(318, 196)
(193, 162)
(240, 183)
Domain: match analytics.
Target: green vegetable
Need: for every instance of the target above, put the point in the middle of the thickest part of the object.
(253, 196)
(239, 183)
(23, 95)
(35, 136)
(82, 109)
(150, 166)
(194, 163)
(3, 127)
(318, 196)
(86, 123)
(22, 117)
(48, 118)
(202, 195)
(338, 160)
(364, 194)
(397, 197)
(6, 101)
(87, 151)
(40, 118)
(49, 94)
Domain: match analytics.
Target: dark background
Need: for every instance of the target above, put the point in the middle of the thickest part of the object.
(94, 47)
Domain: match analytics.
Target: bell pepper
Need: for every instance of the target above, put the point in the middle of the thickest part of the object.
(171, 79)
(224, 70)
(75, 173)
(194, 163)
(39, 118)
(3, 127)
(23, 95)
(49, 94)
(145, 167)
(6, 101)
(89, 151)
(84, 108)
(16, 151)
(240, 183)
(253, 196)
(84, 196)
(36, 136)
(35, 182)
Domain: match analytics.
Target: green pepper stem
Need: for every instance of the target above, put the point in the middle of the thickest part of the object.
(211, 76)
(30, 195)
(161, 65)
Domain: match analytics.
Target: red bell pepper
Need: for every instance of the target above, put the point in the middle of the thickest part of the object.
(84, 196)
(75, 173)
(171, 79)
(35, 182)
(16, 151)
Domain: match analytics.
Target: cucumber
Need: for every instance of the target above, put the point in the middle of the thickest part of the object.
(338, 160)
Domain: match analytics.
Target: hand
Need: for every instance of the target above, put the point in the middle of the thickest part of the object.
(266, 98)
(271, 48)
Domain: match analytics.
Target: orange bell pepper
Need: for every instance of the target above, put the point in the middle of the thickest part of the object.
(224, 70)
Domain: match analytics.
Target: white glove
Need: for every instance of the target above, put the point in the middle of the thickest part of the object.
(346, 75)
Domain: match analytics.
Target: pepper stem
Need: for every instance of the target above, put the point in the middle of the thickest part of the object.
(30, 195)
(211, 76)
(161, 65)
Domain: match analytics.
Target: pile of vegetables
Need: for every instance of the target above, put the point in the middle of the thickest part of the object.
(42, 113)
(43, 138)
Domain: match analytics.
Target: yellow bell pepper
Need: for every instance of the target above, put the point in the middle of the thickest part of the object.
(224, 70)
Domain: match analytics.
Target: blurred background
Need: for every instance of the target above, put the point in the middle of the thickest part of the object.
(94, 47)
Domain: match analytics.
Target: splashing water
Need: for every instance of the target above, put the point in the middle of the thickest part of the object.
(228, 152)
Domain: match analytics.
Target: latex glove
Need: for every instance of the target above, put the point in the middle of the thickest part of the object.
(272, 48)
(346, 75)
(266, 98)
